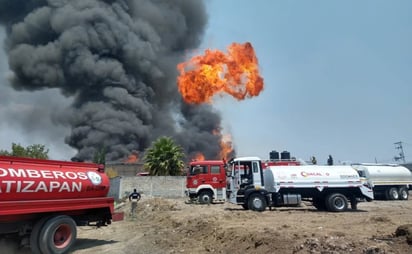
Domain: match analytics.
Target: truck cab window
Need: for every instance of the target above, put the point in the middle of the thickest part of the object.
(215, 169)
(196, 170)
(255, 167)
(361, 173)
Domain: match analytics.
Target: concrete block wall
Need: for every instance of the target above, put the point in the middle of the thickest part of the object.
(115, 187)
(154, 186)
(126, 169)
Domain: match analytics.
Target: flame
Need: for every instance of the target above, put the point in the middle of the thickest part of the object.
(132, 158)
(226, 148)
(199, 157)
(235, 73)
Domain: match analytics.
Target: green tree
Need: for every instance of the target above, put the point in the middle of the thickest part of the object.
(32, 151)
(164, 157)
(100, 156)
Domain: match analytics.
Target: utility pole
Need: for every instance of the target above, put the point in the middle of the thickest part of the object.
(398, 146)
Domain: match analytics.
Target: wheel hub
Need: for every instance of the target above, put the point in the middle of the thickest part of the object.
(339, 203)
(62, 236)
(257, 203)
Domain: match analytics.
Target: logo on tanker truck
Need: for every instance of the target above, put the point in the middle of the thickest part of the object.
(306, 174)
(95, 178)
(36, 180)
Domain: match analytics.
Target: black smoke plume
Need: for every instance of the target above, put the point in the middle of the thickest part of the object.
(116, 59)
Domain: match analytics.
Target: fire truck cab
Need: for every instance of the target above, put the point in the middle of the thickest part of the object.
(206, 181)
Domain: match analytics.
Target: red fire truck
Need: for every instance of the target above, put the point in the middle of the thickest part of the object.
(42, 201)
(206, 181)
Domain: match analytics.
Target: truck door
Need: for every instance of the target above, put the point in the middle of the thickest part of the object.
(218, 174)
(257, 176)
(215, 176)
(234, 182)
(198, 176)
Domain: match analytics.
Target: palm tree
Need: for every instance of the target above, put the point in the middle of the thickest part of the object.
(164, 157)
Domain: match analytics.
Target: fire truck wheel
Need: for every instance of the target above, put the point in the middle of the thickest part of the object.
(205, 197)
(257, 202)
(57, 235)
(34, 235)
(403, 193)
(392, 194)
(336, 202)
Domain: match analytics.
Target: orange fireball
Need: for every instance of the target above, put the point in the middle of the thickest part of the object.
(235, 73)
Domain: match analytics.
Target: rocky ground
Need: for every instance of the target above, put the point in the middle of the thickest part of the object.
(172, 226)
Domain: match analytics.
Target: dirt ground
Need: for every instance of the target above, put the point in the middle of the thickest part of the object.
(172, 226)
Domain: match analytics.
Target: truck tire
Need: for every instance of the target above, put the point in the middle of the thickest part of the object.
(34, 235)
(392, 194)
(205, 197)
(336, 202)
(57, 235)
(257, 202)
(403, 193)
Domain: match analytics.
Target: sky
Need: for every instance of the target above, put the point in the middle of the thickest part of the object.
(337, 81)
(337, 77)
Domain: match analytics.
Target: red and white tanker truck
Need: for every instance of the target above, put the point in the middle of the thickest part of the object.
(328, 188)
(42, 201)
(247, 184)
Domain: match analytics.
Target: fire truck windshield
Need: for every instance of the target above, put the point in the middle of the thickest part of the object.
(198, 169)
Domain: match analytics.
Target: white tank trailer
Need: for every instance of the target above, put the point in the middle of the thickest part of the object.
(389, 181)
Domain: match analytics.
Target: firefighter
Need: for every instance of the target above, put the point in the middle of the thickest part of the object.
(134, 197)
(330, 160)
(314, 162)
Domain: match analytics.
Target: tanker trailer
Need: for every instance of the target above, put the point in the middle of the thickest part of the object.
(327, 187)
(42, 201)
(389, 181)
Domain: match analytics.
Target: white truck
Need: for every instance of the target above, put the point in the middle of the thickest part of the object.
(329, 188)
(389, 181)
